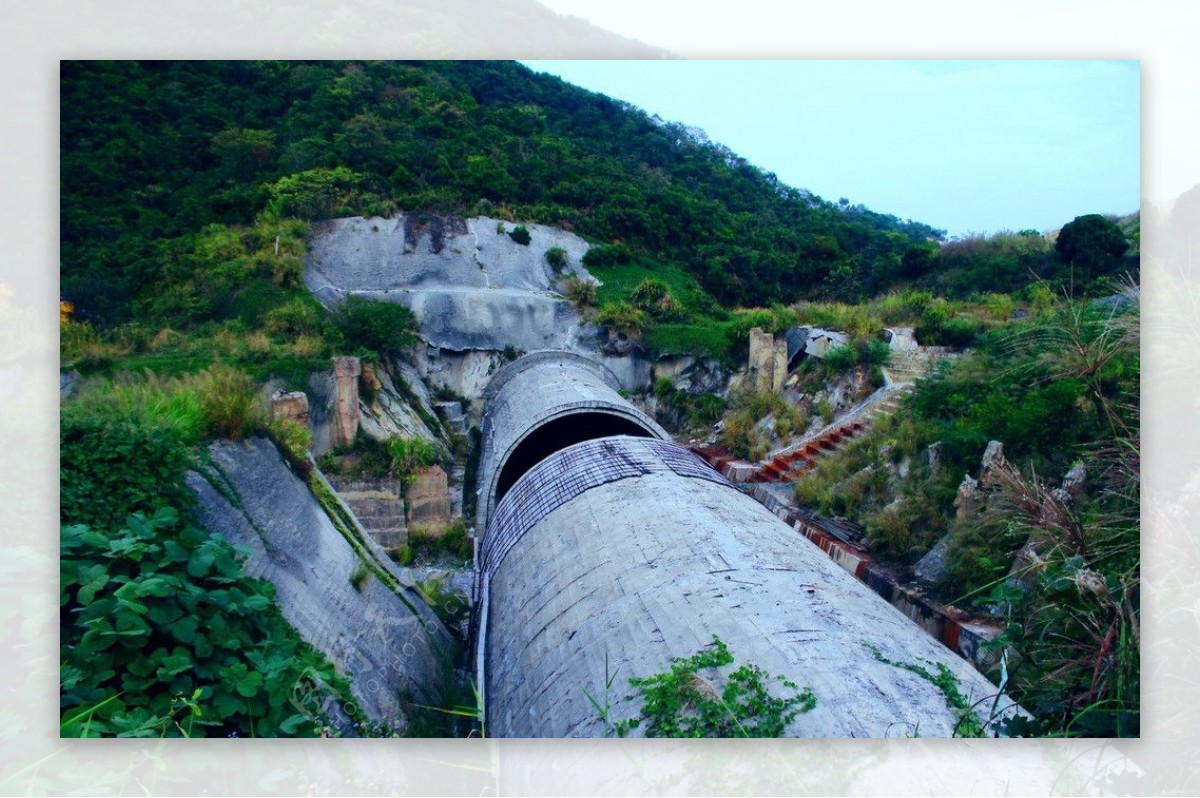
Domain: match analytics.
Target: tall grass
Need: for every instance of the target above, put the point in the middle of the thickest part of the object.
(218, 402)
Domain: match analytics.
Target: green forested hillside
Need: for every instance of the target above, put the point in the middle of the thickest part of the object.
(153, 152)
(186, 192)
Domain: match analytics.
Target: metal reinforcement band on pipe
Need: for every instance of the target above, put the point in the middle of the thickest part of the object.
(614, 555)
(541, 403)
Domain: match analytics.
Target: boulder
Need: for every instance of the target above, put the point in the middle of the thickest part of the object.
(969, 500)
(933, 567)
(1072, 484)
(290, 406)
(992, 464)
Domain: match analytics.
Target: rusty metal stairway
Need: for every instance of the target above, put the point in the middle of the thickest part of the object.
(790, 466)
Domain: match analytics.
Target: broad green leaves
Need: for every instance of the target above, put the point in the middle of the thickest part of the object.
(162, 633)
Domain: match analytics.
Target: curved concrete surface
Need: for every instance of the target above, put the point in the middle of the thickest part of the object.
(540, 404)
(612, 556)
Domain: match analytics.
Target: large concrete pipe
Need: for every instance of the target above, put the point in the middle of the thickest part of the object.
(542, 403)
(616, 553)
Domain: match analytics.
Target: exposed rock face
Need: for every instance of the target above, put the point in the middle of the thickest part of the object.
(370, 377)
(1072, 485)
(452, 416)
(346, 371)
(392, 413)
(933, 566)
(969, 500)
(470, 285)
(290, 406)
(383, 641)
(465, 372)
(429, 500)
(992, 465)
(768, 361)
(632, 371)
(693, 375)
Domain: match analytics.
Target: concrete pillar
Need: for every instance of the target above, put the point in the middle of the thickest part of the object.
(346, 371)
(779, 364)
(768, 361)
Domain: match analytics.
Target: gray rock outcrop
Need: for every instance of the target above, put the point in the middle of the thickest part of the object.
(470, 285)
(1072, 485)
(933, 567)
(992, 465)
(386, 642)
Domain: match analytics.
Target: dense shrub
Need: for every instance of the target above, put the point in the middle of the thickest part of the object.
(607, 255)
(557, 258)
(1092, 244)
(162, 634)
(111, 466)
(624, 319)
(380, 326)
(298, 316)
(581, 292)
(316, 193)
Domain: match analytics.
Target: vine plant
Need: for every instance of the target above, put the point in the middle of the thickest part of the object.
(684, 702)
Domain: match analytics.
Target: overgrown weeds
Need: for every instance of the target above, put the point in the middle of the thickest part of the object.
(695, 699)
(218, 402)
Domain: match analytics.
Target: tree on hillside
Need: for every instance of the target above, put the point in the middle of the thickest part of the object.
(1091, 244)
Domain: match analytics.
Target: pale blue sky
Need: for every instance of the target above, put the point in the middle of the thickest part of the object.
(967, 146)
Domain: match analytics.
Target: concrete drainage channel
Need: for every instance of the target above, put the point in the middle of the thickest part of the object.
(612, 550)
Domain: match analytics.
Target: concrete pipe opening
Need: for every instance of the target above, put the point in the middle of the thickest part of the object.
(558, 434)
(541, 404)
